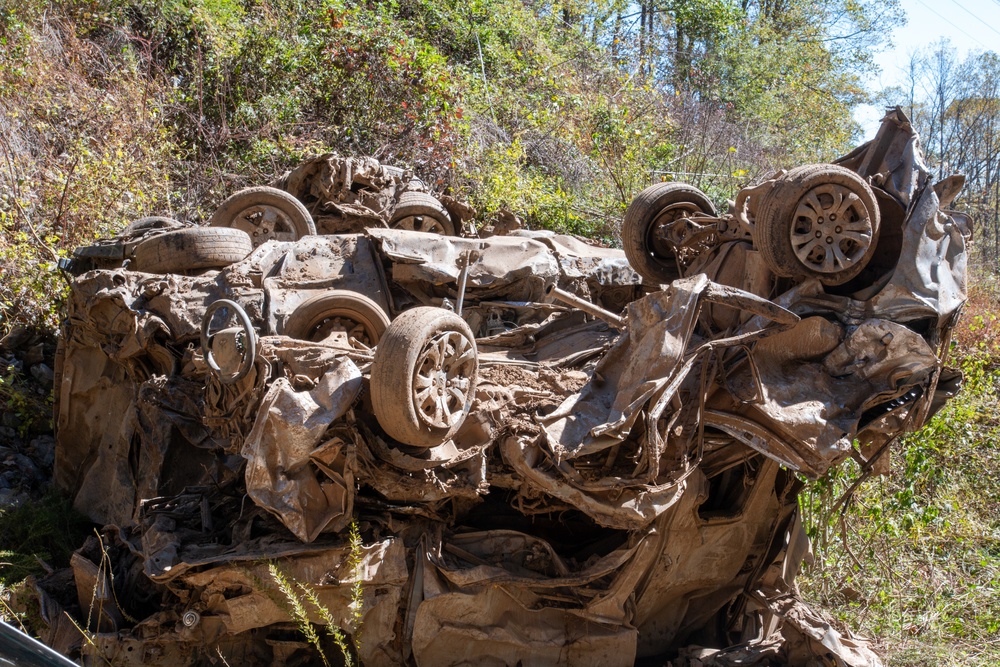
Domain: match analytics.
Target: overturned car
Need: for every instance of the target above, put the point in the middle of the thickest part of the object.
(512, 450)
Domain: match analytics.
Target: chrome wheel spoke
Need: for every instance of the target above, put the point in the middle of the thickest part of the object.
(457, 394)
(441, 387)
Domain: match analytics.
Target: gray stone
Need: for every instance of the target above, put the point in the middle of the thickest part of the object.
(18, 336)
(27, 467)
(43, 450)
(10, 498)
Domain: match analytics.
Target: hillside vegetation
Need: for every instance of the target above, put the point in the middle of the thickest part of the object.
(557, 112)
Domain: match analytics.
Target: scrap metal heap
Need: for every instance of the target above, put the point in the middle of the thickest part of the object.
(512, 450)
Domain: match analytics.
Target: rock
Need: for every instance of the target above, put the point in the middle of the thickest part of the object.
(43, 450)
(27, 468)
(7, 433)
(18, 336)
(506, 223)
(10, 498)
(34, 355)
(42, 373)
(11, 479)
(10, 420)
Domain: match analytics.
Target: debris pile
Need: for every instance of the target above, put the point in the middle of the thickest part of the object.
(515, 450)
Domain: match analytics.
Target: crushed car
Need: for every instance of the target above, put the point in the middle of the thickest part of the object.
(521, 449)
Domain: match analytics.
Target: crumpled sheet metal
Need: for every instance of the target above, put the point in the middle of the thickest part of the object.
(241, 615)
(930, 278)
(642, 375)
(291, 471)
(640, 364)
(470, 585)
(497, 261)
(579, 260)
(703, 557)
(244, 598)
(893, 159)
(443, 474)
(807, 634)
(625, 507)
(109, 392)
(293, 272)
(344, 194)
(872, 362)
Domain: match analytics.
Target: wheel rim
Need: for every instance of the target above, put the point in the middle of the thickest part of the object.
(265, 223)
(420, 223)
(659, 239)
(357, 329)
(832, 230)
(441, 384)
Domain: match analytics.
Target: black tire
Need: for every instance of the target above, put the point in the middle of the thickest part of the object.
(420, 212)
(190, 249)
(265, 214)
(425, 366)
(318, 316)
(656, 205)
(820, 221)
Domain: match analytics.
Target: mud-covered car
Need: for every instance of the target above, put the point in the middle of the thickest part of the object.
(508, 450)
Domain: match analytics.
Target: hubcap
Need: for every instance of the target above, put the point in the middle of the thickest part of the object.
(832, 230)
(441, 384)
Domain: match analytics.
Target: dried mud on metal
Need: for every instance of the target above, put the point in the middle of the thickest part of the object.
(509, 449)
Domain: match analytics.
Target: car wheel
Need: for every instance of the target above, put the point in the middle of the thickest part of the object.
(424, 376)
(420, 212)
(338, 311)
(819, 221)
(189, 249)
(266, 214)
(149, 224)
(649, 254)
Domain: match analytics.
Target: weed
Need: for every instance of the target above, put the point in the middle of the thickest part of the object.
(46, 531)
(19, 398)
(915, 559)
(298, 608)
(298, 594)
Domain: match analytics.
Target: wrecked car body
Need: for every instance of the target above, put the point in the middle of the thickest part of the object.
(455, 465)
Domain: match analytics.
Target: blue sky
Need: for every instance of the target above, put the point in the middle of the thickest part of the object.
(971, 25)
